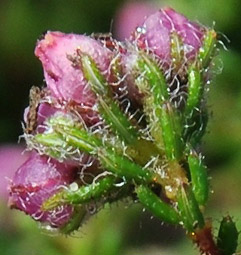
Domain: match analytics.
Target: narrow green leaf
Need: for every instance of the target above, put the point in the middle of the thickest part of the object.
(163, 118)
(156, 80)
(108, 108)
(195, 126)
(160, 209)
(207, 49)
(171, 132)
(75, 221)
(117, 120)
(177, 51)
(66, 138)
(80, 195)
(195, 88)
(191, 215)
(152, 84)
(50, 139)
(124, 167)
(80, 138)
(199, 178)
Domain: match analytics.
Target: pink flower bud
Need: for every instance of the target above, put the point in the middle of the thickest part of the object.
(65, 81)
(155, 34)
(34, 182)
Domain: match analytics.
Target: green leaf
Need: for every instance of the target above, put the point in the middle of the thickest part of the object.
(207, 49)
(177, 51)
(195, 88)
(124, 167)
(163, 119)
(156, 80)
(80, 195)
(171, 132)
(195, 126)
(75, 221)
(190, 213)
(160, 209)
(199, 178)
(152, 84)
(108, 108)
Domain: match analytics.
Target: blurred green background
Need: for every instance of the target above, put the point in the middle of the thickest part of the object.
(120, 229)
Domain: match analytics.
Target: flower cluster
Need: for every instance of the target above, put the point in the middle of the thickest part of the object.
(120, 119)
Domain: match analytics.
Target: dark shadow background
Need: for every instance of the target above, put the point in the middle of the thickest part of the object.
(120, 230)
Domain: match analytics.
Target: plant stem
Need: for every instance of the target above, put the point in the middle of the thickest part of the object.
(204, 240)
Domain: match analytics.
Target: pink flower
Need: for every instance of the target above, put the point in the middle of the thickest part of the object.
(65, 81)
(155, 34)
(156, 37)
(34, 182)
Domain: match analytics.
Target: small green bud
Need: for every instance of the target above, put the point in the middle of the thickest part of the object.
(227, 236)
